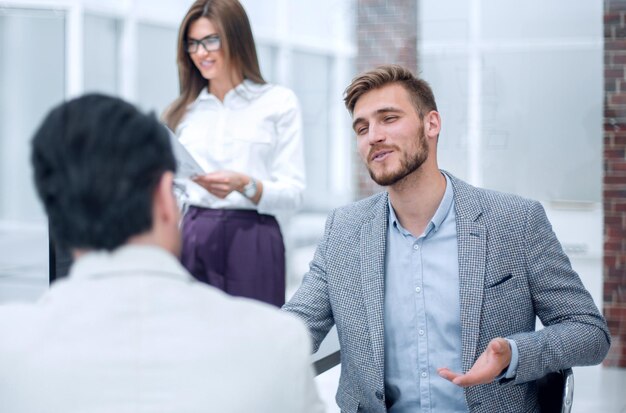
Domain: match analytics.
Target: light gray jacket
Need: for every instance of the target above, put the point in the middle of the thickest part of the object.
(512, 268)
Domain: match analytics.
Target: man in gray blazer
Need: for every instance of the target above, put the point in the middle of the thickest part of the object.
(434, 285)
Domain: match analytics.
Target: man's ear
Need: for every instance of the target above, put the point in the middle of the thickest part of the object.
(432, 124)
(164, 206)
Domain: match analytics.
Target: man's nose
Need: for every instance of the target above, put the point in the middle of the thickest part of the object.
(376, 134)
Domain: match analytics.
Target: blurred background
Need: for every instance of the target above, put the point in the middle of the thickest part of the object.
(530, 100)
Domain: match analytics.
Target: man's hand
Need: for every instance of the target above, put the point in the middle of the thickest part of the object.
(222, 183)
(494, 360)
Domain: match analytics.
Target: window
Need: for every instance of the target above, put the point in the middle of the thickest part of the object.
(267, 60)
(32, 73)
(314, 98)
(521, 98)
(157, 74)
(101, 54)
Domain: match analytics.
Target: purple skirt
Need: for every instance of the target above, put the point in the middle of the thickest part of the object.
(238, 251)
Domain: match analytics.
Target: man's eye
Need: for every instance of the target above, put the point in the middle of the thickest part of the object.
(390, 118)
(361, 131)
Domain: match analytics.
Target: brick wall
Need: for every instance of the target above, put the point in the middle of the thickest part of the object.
(386, 33)
(615, 178)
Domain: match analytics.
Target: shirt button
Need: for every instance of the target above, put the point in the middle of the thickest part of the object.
(416, 247)
(421, 332)
(424, 374)
(418, 290)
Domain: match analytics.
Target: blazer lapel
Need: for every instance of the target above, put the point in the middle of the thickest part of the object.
(472, 243)
(372, 255)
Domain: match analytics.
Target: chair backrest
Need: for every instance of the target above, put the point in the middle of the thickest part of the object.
(326, 363)
(556, 392)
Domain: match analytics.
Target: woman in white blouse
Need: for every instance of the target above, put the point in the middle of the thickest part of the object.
(246, 134)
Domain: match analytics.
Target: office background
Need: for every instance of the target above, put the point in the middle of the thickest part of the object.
(520, 86)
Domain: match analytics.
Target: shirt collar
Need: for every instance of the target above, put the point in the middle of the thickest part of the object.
(440, 215)
(445, 205)
(128, 259)
(247, 90)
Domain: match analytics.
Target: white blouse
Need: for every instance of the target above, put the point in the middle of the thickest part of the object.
(256, 130)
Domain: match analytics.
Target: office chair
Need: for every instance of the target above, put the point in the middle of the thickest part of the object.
(556, 391)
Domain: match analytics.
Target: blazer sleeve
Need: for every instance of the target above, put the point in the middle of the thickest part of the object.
(575, 332)
(311, 302)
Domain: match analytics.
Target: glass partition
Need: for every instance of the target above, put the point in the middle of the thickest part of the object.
(553, 151)
(267, 61)
(157, 75)
(101, 54)
(450, 88)
(520, 98)
(32, 70)
(314, 95)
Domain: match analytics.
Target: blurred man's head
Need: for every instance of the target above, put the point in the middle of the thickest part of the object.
(104, 172)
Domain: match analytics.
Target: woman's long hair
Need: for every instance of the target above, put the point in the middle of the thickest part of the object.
(237, 42)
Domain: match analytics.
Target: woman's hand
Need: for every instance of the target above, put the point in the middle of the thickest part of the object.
(222, 183)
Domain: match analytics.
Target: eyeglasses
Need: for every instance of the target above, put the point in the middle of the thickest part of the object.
(211, 43)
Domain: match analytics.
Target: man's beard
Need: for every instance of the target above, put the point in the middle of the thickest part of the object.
(409, 163)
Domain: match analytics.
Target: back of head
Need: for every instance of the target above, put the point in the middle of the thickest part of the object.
(419, 90)
(97, 161)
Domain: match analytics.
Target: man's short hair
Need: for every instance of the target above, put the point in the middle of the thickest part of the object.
(419, 90)
(97, 161)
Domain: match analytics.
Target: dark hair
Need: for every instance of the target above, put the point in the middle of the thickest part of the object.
(233, 26)
(419, 90)
(97, 161)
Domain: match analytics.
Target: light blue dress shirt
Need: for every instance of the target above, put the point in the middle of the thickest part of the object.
(422, 314)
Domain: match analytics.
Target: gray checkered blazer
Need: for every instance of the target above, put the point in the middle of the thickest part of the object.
(511, 269)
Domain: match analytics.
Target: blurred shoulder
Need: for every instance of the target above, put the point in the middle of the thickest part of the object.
(252, 316)
(20, 323)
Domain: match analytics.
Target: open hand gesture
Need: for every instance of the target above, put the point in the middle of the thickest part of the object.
(494, 360)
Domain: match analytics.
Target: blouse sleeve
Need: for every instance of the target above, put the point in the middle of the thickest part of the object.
(285, 187)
